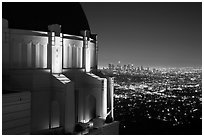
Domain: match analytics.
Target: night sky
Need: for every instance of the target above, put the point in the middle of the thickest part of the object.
(148, 34)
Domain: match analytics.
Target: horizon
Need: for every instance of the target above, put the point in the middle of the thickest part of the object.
(153, 34)
(161, 34)
(145, 66)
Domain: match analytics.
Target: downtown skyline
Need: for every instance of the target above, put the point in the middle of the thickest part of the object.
(158, 34)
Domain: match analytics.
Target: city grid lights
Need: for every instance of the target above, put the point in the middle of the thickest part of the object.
(168, 96)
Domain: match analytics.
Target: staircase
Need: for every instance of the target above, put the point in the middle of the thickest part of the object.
(62, 78)
(95, 76)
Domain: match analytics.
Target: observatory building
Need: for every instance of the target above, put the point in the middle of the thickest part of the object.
(50, 80)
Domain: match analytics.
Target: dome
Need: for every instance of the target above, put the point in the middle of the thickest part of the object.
(38, 15)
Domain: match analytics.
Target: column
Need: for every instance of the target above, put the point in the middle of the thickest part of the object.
(37, 55)
(104, 98)
(74, 56)
(86, 35)
(49, 50)
(65, 55)
(29, 55)
(44, 56)
(56, 43)
(85, 45)
(70, 56)
(110, 94)
(96, 52)
(33, 55)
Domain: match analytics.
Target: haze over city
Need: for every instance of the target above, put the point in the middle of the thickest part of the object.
(149, 34)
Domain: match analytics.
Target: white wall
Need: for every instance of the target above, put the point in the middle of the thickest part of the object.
(86, 86)
(72, 53)
(27, 49)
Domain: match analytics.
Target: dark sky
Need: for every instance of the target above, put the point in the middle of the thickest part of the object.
(148, 34)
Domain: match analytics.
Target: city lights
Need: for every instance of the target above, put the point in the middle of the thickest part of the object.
(167, 95)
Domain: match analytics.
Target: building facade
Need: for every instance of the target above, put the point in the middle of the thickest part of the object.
(59, 71)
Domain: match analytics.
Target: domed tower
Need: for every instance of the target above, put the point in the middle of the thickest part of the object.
(50, 53)
(39, 15)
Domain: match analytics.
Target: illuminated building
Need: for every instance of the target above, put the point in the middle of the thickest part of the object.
(51, 82)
